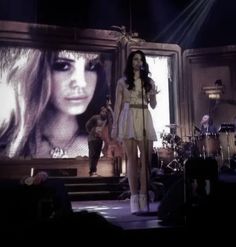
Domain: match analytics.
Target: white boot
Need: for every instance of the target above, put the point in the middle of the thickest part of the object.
(143, 203)
(134, 204)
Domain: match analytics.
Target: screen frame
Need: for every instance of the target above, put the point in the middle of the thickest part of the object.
(37, 36)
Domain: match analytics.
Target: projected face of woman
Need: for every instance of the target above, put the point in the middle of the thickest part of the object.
(73, 84)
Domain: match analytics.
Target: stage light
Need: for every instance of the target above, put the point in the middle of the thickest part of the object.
(213, 92)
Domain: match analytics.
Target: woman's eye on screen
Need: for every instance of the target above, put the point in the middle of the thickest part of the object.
(61, 66)
(91, 65)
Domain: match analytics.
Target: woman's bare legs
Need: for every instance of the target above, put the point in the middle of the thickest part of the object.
(132, 166)
(138, 201)
(145, 157)
(133, 173)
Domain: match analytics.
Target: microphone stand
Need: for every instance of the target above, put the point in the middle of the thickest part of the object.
(145, 148)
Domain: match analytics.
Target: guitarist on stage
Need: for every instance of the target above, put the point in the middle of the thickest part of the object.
(96, 126)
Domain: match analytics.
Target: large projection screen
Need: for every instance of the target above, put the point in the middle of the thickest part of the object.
(47, 96)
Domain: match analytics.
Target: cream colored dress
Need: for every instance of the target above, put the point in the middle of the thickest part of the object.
(131, 116)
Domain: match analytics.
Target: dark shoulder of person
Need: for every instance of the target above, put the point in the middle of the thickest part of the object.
(92, 122)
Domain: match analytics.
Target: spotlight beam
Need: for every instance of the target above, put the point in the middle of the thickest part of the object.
(194, 13)
(191, 23)
(190, 37)
(188, 23)
(176, 19)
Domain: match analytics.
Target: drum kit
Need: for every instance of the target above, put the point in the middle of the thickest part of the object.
(174, 151)
(169, 156)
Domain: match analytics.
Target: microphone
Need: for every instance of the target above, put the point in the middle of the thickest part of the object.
(142, 68)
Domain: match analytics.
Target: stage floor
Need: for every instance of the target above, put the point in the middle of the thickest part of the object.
(118, 213)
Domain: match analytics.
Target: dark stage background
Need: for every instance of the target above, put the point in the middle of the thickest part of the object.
(150, 18)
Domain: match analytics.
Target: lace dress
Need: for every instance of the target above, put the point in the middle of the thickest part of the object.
(131, 117)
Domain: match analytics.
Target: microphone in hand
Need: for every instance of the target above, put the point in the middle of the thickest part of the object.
(142, 68)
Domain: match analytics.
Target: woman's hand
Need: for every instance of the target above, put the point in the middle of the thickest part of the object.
(152, 96)
(154, 91)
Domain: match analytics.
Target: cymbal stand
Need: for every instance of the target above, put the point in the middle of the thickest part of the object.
(174, 165)
(192, 142)
(228, 147)
(221, 154)
(204, 151)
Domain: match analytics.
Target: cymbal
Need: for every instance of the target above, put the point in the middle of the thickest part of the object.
(172, 126)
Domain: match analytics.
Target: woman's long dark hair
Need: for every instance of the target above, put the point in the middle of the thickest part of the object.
(129, 73)
(28, 79)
